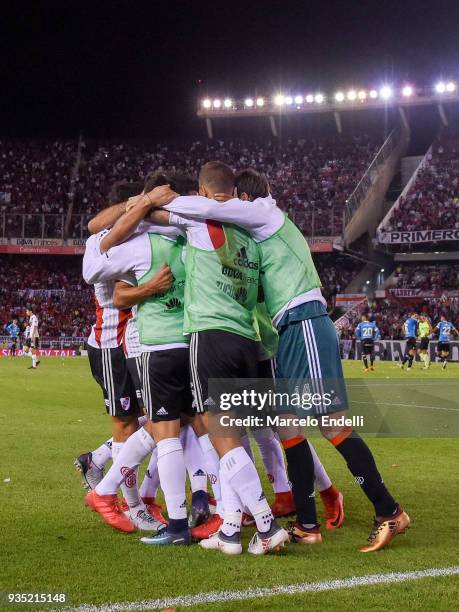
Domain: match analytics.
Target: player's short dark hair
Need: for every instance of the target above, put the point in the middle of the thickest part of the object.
(155, 179)
(123, 190)
(253, 183)
(217, 176)
(182, 184)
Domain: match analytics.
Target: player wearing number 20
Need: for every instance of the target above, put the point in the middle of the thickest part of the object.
(367, 332)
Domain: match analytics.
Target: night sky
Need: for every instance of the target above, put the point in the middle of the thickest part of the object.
(138, 69)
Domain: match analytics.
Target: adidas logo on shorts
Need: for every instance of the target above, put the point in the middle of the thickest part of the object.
(162, 412)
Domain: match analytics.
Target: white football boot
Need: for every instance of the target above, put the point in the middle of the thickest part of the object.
(273, 540)
(142, 519)
(230, 545)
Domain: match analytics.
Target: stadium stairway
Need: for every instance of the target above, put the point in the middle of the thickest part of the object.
(365, 206)
(409, 164)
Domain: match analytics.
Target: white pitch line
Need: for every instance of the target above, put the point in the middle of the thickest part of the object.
(253, 593)
(407, 405)
(406, 384)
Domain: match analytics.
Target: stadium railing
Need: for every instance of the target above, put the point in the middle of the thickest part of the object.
(64, 342)
(315, 221)
(25, 225)
(371, 174)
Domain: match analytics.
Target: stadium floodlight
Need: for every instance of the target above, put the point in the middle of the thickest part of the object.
(373, 94)
(217, 103)
(385, 92)
(298, 99)
(440, 87)
(309, 98)
(351, 95)
(206, 103)
(279, 100)
(319, 98)
(228, 103)
(339, 96)
(450, 86)
(407, 91)
(288, 100)
(248, 102)
(362, 95)
(260, 101)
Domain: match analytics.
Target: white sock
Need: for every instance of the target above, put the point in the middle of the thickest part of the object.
(245, 441)
(150, 483)
(34, 361)
(194, 459)
(232, 505)
(242, 475)
(320, 475)
(212, 464)
(273, 458)
(129, 457)
(172, 475)
(129, 486)
(101, 455)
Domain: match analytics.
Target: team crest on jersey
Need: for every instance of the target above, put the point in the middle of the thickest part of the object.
(125, 403)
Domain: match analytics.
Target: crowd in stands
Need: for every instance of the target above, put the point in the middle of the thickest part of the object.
(311, 179)
(432, 202)
(438, 276)
(35, 179)
(62, 301)
(336, 272)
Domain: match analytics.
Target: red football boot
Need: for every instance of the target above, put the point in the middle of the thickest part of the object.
(155, 509)
(284, 504)
(108, 508)
(333, 502)
(207, 529)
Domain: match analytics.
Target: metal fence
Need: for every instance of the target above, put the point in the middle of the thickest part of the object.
(318, 222)
(23, 225)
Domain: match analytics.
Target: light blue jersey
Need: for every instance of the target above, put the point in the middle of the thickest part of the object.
(367, 330)
(411, 328)
(13, 330)
(445, 331)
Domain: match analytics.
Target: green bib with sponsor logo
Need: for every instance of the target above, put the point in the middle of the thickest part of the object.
(160, 317)
(222, 285)
(287, 269)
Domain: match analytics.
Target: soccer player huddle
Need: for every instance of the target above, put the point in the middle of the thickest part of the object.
(209, 280)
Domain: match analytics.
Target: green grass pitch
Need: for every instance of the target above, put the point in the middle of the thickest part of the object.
(49, 541)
